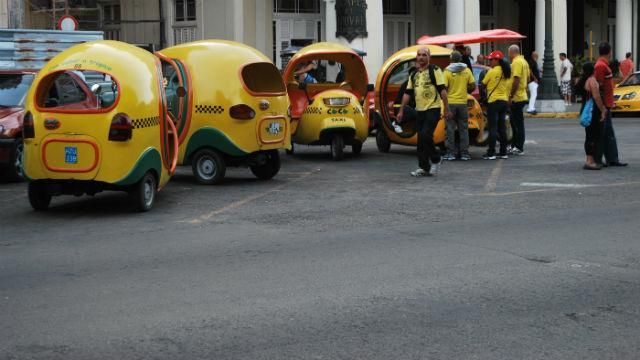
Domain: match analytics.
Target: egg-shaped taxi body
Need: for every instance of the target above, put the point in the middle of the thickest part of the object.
(96, 120)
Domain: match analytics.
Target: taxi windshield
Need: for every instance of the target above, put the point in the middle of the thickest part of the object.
(632, 80)
(14, 88)
(77, 90)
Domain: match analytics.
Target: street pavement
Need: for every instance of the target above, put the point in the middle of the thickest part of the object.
(526, 258)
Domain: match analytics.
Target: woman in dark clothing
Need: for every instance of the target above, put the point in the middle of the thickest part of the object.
(590, 89)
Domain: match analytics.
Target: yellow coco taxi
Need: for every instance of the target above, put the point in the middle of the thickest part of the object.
(394, 73)
(627, 96)
(229, 104)
(328, 111)
(96, 120)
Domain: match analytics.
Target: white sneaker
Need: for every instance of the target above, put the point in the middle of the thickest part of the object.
(419, 172)
(435, 168)
(397, 128)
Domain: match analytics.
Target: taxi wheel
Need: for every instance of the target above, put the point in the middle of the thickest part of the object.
(208, 167)
(292, 151)
(270, 168)
(143, 194)
(337, 147)
(356, 147)
(382, 141)
(39, 196)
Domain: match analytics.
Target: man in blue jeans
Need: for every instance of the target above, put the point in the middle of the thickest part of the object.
(428, 89)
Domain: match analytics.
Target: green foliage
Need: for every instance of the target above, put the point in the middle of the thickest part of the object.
(577, 62)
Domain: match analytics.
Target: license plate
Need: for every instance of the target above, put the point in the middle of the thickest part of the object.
(71, 155)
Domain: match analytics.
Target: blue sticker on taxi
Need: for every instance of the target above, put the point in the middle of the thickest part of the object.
(71, 155)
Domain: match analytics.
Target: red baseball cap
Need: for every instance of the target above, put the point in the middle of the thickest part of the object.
(496, 55)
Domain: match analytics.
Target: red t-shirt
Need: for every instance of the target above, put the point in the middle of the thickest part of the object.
(626, 67)
(605, 78)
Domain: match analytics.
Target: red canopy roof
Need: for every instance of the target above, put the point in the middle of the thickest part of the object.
(472, 37)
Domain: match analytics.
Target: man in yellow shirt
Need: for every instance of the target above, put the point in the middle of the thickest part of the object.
(459, 81)
(427, 87)
(518, 98)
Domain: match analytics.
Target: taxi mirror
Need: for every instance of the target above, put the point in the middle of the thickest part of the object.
(181, 91)
(95, 88)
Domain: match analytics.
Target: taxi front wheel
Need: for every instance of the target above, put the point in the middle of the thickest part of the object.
(39, 196)
(143, 194)
(269, 168)
(382, 141)
(208, 167)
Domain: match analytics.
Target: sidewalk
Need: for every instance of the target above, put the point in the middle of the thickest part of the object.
(571, 112)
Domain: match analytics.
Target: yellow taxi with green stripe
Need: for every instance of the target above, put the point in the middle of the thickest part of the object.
(96, 119)
(229, 105)
(329, 110)
(627, 96)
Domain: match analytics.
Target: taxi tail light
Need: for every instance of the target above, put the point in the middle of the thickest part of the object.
(28, 129)
(337, 101)
(121, 128)
(242, 112)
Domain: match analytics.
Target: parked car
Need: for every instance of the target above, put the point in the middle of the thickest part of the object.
(627, 96)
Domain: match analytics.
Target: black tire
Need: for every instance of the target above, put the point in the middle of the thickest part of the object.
(382, 141)
(270, 168)
(208, 167)
(143, 193)
(14, 172)
(39, 196)
(337, 147)
(356, 147)
(292, 151)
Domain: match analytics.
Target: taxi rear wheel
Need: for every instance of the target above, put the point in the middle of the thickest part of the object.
(270, 168)
(337, 147)
(39, 196)
(143, 194)
(382, 141)
(356, 147)
(208, 167)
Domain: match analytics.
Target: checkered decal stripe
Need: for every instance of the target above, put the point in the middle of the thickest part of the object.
(313, 110)
(356, 110)
(209, 109)
(145, 122)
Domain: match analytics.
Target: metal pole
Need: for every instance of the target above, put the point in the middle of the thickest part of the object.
(549, 84)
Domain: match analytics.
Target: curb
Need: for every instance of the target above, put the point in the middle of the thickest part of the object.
(567, 115)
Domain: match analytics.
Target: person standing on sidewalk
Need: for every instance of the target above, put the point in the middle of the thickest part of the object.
(427, 86)
(626, 66)
(498, 86)
(534, 82)
(459, 82)
(604, 76)
(565, 78)
(518, 97)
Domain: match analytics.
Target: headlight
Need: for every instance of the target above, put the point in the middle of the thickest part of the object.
(337, 101)
(629, 96)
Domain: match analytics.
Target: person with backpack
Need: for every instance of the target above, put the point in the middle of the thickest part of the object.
(459, 82)
(427, 86)
(589, 88)
(498, 86)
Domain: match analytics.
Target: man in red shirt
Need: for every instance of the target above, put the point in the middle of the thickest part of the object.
(604, 76)
(626, 66)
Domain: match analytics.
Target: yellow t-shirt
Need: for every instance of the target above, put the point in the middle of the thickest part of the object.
(520, 68)
(497, 86)
(456, 84)
(426, 93)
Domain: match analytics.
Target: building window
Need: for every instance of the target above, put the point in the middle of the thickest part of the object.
(111, 14)
(185, 10)
(297, 6)
(396, 7)
(486, 7)
(612, 9)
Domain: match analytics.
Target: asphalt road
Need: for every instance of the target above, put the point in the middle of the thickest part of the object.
(526, 258)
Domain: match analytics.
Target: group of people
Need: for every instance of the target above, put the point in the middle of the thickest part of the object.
(432, 89)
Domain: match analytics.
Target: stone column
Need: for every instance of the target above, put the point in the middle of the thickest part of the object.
(455, 16)
(559, 32)
(472, 21)
(540, 31)
(624, 28)
(330, 25)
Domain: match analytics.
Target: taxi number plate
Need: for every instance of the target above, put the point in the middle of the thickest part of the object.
(71, 155)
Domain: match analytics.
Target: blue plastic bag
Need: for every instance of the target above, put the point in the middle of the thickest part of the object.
(587, 113)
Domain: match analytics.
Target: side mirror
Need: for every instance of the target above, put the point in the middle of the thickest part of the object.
(95, 88)
(181, 91)
(370, 87)
(302, 86)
